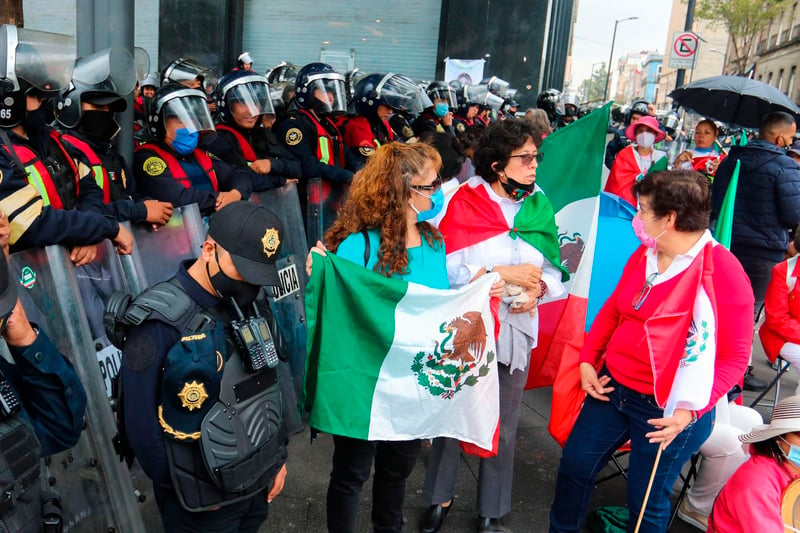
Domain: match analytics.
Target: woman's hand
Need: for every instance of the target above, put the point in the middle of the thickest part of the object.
(532, 304)
(277, 484)
(683, 157)
(593, 385)
(318, 249)
(526, 275)
(83, 255)
(668, 428)
(497, 289)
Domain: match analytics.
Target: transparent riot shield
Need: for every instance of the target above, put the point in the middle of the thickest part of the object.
(95, 488)
(288, 299)
(323, 201)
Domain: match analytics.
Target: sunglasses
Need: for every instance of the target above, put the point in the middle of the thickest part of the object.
(433, 187)
(638, 301)
(526, 159)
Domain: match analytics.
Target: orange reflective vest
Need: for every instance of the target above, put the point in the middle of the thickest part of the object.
(325, 144)
(175, 168)
(99, 172)
(247, 151)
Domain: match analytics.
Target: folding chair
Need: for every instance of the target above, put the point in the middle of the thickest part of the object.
(688, 479)
(622, 470)
(783, 366)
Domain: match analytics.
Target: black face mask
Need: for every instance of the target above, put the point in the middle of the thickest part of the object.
(99, 125)
(517, 190)
(242, 292)
(38, 120)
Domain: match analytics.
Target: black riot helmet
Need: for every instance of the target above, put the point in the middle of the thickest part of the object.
(283, 71)
(442, 91)
(497, 86)
(173, 100)
(320, 88)
(642, 107)
(104, 78)
(392, 90)
(34, 62)
(547, 100)
(192, 74)
(246, 89)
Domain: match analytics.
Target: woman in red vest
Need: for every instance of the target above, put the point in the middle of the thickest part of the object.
(707, 153)
(636, 160)
(671, 340)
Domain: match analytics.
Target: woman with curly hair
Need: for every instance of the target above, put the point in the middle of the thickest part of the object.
(383, 226)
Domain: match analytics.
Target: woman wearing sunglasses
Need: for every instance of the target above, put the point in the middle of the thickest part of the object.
(671, 341)
(499, 221)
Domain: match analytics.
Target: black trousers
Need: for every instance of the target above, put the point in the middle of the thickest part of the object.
(245, 516)
(352, 464)
(759, 271)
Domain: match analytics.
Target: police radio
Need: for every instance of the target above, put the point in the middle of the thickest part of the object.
(254, 340)
(9, 403)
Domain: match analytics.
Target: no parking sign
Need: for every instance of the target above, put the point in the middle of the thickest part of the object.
(683, 50)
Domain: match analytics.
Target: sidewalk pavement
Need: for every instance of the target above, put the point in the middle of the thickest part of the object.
(301, 506)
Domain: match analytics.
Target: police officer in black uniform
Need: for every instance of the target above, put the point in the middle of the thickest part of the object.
(548, 100)
(173, 168)
(438, 117)
(639, 109)
(42, 404)
(243, 98)
(201, 402)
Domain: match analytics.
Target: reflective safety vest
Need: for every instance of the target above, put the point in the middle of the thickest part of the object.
(99, 172)
(39, 176)
(175, 168)
(247, 151)
(326, 144)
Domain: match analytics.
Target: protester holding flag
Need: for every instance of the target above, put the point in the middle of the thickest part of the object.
(637, 160)
(707, 152)
(499, 221)
(672, 339)
(383, 227)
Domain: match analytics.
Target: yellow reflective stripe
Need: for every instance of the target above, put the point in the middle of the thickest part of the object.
(15, 201)
(35, 179)
(323, 149)
(96, 171)
(377, 143)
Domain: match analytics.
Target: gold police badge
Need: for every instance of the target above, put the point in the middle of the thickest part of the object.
(271, 240)
(366, 151)
(193, 395)
(154, 166)
(294, 136)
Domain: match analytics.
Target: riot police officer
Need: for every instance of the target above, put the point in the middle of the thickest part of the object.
(243, 97)
(567, 109)
(85, 111)
(192, 74)
(147, 88)
(42, 404)
(468, 109)
(638, 109)
(200, 369)
(244, 61)
(310, 134)
(438, 117)
(172, 168)
(547, 100)
(40, 186)
(377, 98)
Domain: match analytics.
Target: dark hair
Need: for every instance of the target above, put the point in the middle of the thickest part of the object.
(769, 448)
(797, 237)
(686, 192)
(710, 123)
(498, 141)
(773, 122)
(452, 157)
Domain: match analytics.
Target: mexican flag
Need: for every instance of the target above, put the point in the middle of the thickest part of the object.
(570, 174)
(393, 360)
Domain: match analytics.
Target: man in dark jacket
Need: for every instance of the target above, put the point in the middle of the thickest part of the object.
(767, 201)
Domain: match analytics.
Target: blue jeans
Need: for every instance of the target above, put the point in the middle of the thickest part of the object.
(601, 428)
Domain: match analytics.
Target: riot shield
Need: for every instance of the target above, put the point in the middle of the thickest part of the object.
(288, 299)
(323, 201)
(95, 488)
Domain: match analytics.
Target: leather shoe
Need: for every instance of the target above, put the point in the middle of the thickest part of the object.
(491, 525)
(433, 518)
(752, 383)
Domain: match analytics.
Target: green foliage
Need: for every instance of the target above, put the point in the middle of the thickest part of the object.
(591, 89)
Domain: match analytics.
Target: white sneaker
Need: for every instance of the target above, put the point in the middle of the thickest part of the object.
(690, 516)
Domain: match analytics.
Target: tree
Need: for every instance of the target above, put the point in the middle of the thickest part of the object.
(744, 20)
(11, 12)
(591, 89)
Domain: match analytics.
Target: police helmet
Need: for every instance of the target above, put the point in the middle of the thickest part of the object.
(642, 107)
(671, 123)
(547, 100)
(244, 59)
(392, 90)
(192, 74)
(496, 85)
(102, 78)
(151, 80)
(243, 88)
(351, 79)
(283, 71)
(442, 91)
(35, 62)
(568, 105)
(320, 88)
(173, 100)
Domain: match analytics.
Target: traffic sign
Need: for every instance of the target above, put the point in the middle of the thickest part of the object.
(684, 48)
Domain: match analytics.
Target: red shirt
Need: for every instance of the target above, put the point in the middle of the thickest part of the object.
(617, 333)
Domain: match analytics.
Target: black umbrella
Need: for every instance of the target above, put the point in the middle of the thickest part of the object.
(733, 99)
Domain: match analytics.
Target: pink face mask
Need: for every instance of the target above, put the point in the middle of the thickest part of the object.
(647, 240)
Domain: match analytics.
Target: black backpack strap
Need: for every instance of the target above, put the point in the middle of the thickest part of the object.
(366, 247)
(16, 162)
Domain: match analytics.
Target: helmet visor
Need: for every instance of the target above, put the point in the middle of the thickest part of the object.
(444, 93)
(497, 86)
(402, 93)
(328, 95)
(193, 75)
(191, 112)
(45, 60)
(111, 70)
(250, 100)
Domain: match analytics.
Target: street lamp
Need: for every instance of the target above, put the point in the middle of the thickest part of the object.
(611, 56)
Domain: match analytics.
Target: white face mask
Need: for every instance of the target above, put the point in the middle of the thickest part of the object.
(646, 139)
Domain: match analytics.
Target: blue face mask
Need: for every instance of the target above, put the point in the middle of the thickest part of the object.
(704, 150)
(441, 109)
(185, 141)
(794, 452)
(437, 202)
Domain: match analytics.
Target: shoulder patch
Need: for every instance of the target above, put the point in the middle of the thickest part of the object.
(460, 126)
(408, 132)
(293, 136)
(366, 151)
(154, 166)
